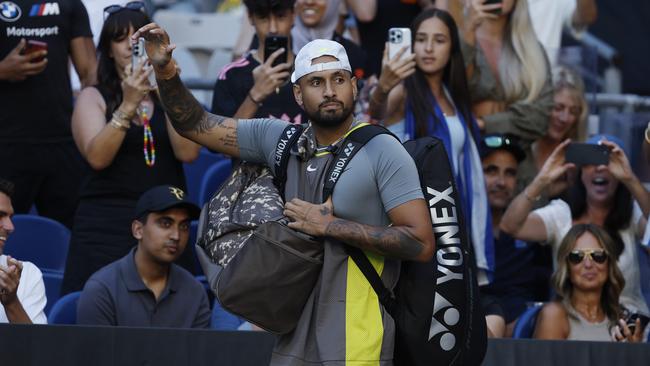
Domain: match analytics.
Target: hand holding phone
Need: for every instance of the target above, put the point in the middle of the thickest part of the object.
(34, 46)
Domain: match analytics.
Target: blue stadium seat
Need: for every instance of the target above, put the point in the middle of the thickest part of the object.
(525, 326)
(195, 170)
(213, 178)
(65, 310)
(223, 320)
(39, 240)
(52, 282)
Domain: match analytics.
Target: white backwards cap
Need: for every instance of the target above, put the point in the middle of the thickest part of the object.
(315, 49)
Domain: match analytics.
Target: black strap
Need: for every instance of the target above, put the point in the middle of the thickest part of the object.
(350, 146)
(287, 140)
(385, 296)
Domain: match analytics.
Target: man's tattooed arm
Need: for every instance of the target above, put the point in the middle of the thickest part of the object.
(394, 242)
(191, 121)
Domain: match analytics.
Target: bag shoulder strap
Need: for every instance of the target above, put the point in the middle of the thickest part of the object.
(355, 139)
(385, 296)
(287, 140)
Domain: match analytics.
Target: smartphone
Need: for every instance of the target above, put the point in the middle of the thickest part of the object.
(34, 46)
(138, 55)
(496, 11)
(587, 154)
(398, 38)
(274, 43)
(631, 321)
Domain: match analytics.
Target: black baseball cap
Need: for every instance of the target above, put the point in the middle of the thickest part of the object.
(162, 198)
(493, 142)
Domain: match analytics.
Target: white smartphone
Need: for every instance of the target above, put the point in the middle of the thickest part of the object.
(398, 38)
(138, 56)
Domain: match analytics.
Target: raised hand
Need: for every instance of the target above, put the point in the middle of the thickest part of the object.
(157, 45)
(9, 281)
(555, 166)
(395, 70)
(17, 67)
(268, 77)
(135, 85)
(619, 165)
(476, 12)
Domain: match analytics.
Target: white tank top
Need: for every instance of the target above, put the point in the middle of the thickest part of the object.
(457, 136)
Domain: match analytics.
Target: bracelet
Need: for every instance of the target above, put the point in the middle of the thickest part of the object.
(123, 116)
(119, 126)
(259, 104)
(531, 199)
(647, 139)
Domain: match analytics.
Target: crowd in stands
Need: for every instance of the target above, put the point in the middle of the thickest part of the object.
(482, 77)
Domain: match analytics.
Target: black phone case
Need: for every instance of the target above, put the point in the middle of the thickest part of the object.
(272, 44)
(587, 154)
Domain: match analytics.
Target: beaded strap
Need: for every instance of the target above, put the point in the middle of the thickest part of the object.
(149, 145)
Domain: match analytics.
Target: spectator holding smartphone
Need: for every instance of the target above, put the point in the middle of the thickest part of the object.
(257, 85)
(609, 196)
(38, 153)
(426, 94)
(111, 122)
(509, 75)
(588, 283)
(568, 120)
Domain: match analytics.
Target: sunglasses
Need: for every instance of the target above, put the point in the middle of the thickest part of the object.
(577, 256)
(496, 142)
(132, 5)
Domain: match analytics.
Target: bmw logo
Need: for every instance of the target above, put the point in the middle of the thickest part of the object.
(9, 12)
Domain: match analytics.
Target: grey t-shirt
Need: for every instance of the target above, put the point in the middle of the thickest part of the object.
(343, 320)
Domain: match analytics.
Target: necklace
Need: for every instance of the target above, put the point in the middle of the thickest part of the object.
(149, 158)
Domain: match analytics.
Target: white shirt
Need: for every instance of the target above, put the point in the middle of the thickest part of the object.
(548, 18)
(31, 293)
(457, 137)
(557, 220)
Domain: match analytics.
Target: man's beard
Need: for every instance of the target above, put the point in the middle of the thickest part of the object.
(329, 119)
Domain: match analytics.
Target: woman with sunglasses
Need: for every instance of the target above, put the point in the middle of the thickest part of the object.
(121, 130)
(609, 196)
(426, 94)
(587, 284)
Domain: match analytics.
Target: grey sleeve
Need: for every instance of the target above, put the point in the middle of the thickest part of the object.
(396, 174)
(95, 306)
(257, 139)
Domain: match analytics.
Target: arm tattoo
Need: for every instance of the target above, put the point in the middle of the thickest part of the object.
(395, 242)
(185, 113)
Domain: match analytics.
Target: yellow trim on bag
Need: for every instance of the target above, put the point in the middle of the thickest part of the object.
(346, 135)
(364, 327)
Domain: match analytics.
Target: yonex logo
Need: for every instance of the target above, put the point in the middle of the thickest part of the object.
(450, 317)
(9, 12)
(41, 10)
(348, 149)
(450, 257)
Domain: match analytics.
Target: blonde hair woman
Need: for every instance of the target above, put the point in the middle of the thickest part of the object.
(508, 71)
(568, 121)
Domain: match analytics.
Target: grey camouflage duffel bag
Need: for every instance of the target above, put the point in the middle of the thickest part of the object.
(258, 267)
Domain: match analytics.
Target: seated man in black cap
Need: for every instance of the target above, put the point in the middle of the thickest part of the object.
(145, 288)
(523, 269)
